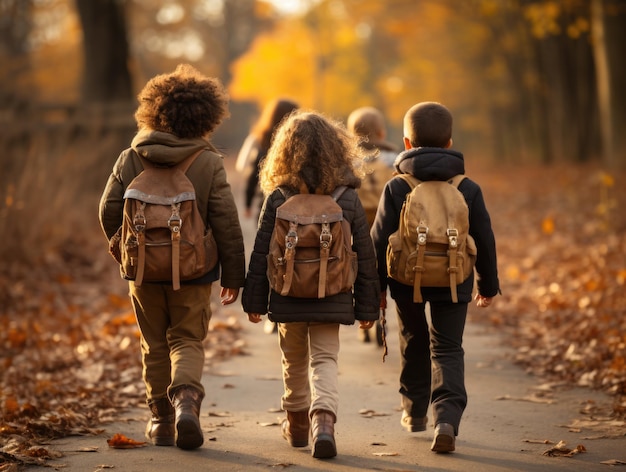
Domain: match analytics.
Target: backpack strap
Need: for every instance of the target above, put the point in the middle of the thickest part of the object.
(456, 180)
(139, 222)
(338, 192)
(175, 222)
(422, 234)
(326, 238)
(410, 179)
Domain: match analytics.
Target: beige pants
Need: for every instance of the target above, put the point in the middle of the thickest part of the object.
(309, 360)
(173, 326)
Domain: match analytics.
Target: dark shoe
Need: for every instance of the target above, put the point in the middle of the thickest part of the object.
(160, 429)
(444, 438)
(323, 433)
(413, 425)
(295, 428)
(187, 401)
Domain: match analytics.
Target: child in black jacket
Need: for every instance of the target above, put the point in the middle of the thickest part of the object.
(433, 357)
(312, 152)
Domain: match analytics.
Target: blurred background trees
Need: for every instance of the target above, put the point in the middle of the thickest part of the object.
(528, 81)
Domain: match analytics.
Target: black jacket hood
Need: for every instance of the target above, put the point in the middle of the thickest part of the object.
(426, 163)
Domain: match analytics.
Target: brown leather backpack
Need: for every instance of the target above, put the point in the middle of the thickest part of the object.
(310, 253)
(432, 246)
(163, 236)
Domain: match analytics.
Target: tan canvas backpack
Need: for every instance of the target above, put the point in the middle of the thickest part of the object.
(432, 246)
(377, 173)
(163, 236)
(310, 253)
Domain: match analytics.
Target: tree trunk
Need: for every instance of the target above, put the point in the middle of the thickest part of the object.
(603, 80)
(106, 77)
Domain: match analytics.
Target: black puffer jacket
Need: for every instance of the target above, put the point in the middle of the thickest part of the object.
(436, 164)
(362, 304)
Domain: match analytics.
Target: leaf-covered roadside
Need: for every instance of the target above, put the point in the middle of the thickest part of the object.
(561, 236)
(70, 359)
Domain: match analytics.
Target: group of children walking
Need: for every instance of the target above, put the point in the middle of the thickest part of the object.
(315, 154)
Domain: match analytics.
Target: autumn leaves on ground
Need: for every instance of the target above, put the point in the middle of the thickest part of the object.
(69, 357)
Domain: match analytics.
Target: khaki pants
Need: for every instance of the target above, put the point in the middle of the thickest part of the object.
(313, 385)
(173, 325)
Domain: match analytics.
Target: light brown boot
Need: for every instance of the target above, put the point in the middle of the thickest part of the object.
(160, 429)
(323, 433)
(295, 428)
(187, 401)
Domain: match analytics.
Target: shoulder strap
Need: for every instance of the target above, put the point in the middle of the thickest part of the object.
(285, 192)
(456, 180)
(182, 165)
(411, 180)
(186, 164)
(338, 192)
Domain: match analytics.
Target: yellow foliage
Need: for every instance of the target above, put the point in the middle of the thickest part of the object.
(543, 17)
(277, 65)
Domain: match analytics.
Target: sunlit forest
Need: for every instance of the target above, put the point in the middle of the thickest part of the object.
(536, 88)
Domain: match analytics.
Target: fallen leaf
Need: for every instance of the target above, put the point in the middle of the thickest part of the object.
(613, 462)
(273, 423)
(119, 441)
(561, 450)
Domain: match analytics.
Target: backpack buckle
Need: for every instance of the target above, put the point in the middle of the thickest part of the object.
(453, 235)
(139, 221)
(291, 238)
(175, 221)
(422, 232)
(325, 236)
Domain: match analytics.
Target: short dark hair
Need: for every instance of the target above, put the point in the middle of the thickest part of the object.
(184, 103)
(428, 124)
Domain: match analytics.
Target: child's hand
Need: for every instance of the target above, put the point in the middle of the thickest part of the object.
(366, 324)
(254, 317)
(228, 295)
(483, 302)
(383, 300)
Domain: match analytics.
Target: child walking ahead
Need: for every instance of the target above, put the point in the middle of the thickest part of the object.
(177, 114)
(313, 154)
(432, 359)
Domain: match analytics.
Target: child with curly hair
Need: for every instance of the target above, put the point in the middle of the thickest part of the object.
(314, 154)
(176, 115)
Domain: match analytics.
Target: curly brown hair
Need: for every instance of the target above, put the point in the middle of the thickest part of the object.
(184, 103)
(313, 151)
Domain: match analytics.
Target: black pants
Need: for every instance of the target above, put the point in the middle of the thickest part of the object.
(433, 368)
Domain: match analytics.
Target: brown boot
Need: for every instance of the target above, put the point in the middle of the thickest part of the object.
(160, 429)
(295, 428)
(323, 433)
(186, 401)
